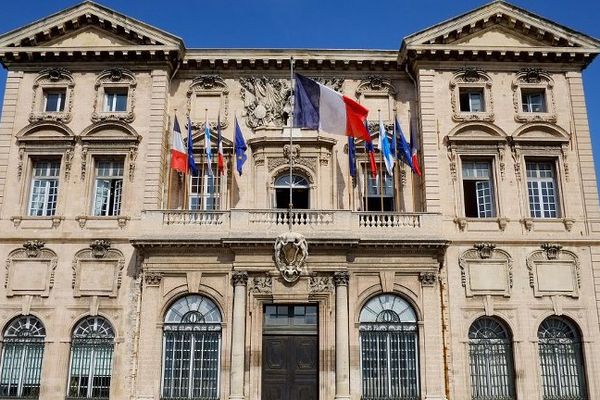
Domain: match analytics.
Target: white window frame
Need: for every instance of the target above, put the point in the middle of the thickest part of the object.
(528, 106)
(367, 182)
(492, 211)
(470, 91)
(115, 194)
(110, 99)
(545, 211)
(198, 200)
(46, 182)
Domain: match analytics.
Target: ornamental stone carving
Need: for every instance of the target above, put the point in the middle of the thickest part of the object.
(97, 270)
(239, 278)
(291, 251)
(55, 80)
(208, 86)
(375, 84)
(261, 285)
(428, 278)
(153, 278)
(486, 270)
(320, 284)
(472, 79)
(100, 248)
(341, 278)
(538, 80)
(30, 270)
(554, 271)
(120, 79)
(266, 101)
(33, 247)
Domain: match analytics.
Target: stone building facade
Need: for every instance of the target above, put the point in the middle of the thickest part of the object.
(479, 279)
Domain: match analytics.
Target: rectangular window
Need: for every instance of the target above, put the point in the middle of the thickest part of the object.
(115, 100)
(54, 100)
(534, 100)
(108, 187)
(541, 189)
(44, 188)
(379, 190)
(471, 100)
(205, 189)
(478, 189)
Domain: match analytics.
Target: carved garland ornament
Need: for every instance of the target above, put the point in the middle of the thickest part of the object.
(115, 78)
(471, 78)
(320, 284)
(291, 251)
(58, 79)
(209, 86)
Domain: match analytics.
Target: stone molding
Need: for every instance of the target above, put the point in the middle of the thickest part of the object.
(209, 86)
(52, 79)
(33, 260)
(239, 278)
(119, 78)
(486, 270)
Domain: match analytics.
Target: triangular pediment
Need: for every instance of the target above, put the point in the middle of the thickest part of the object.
(496, 25)
(88, 25)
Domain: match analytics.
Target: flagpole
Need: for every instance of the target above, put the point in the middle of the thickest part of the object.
(381, 178)
(291, 204)
(185, 205)
(170, 172)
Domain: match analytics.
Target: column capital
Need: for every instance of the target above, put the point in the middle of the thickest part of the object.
(341, 278)
(239, 278)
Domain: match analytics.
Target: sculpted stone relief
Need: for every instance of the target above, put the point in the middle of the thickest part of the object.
(30, 270)
(97, 270)
(115, 78)
(209, 86)
(56, 80)
(554, 271)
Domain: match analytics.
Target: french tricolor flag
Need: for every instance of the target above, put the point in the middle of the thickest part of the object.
(179, 161)
(318, 107)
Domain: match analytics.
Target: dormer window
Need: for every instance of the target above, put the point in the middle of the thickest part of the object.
(54, 100)
(533, 100)
(471, 100)
(115, 100)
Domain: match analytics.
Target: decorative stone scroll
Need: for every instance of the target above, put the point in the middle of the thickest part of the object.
(97, 270)
(30, 270)
(534, 78)
(208, 86)
(554, 271)
(486, 270)
(114, 78)
(471, 78)
(261, 285)
(291, 251)
(52, 79)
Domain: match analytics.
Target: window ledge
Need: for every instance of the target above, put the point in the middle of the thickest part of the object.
(54, 116)
(491, 223)
(536, 117)
(122, 116)
(100, 222)
(466, 116)
(26, 221)
(549, 224)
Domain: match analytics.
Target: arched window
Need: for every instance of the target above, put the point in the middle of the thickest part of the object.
(491, 360)
(22, 352)
(389, 354)
(561, 360)
(300, 191)
(191, 349)
(92, 347)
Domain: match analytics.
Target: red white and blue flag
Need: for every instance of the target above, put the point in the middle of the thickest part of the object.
(207, 148)
(414, 150)
(318, 107)
(220, 157)
(179, 161)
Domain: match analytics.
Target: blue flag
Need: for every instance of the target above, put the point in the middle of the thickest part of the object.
(384, 148)
(352, 156)
(402, 146)
(190, 149)
(240, 148)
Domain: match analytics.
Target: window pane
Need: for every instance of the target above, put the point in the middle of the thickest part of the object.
(44, 188)
(534, 101)
(55, 101)
(115, 100)
(478, 189)
(109, 187)
(205, 189)
(121, 102)
(541, 190)
(476, 101)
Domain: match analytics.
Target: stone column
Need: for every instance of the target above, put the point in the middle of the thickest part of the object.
(238, 330)
(342, 349)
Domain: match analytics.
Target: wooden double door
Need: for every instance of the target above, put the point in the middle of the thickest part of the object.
(290, 354)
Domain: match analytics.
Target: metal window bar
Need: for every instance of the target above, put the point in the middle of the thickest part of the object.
(191, 362)
(389, 361)
(91, 364)
(21, 367)
(491, 364)
(562, 372)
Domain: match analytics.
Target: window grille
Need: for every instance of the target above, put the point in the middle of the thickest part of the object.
(191, 349)
(108, 188)
(44, 188)
(205, 189)
(22, 353)
(91, 359)
(478, 189)
(389, 354)
(378, 190)
(561, 360)
(491, 361)
(541, 188)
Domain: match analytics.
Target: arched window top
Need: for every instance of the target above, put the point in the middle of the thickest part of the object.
(556, 329)
(487, 328)
(298, 182)
(94, 328)
(193, 310)
(25, 327)
(387, 308)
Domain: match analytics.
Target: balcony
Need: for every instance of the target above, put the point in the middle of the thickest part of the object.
(257, 223)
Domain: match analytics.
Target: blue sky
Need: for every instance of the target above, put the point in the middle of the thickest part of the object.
(378, 24)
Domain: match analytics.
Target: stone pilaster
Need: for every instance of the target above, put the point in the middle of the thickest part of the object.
(238, 330)
(8, 114)
(342, 349)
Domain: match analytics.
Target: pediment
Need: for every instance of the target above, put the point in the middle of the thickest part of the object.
(45, 131)
(500, 24)
(89, 36)
(477, 132)
(89, 25)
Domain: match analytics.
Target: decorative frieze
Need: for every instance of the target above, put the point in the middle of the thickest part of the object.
(320, 284)
(152, 278)
(428, 278)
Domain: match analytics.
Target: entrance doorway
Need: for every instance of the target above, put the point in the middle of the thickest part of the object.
(290, 353)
